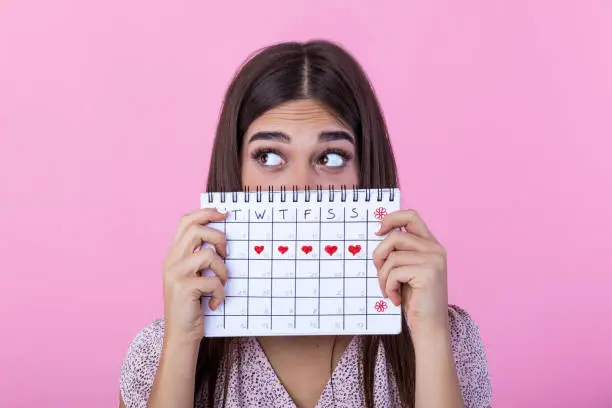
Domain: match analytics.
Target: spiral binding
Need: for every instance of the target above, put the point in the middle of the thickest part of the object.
(332, 194)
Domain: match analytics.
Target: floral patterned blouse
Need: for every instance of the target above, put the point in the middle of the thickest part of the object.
(254, 383)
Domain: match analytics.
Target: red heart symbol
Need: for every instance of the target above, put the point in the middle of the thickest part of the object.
(331, 249)
(307, 249)
(354, 249)
(259, 249)
(282, 249)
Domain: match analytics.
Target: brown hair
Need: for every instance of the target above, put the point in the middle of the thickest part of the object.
(325, 72)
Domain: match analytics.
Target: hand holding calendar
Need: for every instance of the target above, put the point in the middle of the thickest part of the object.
(183, 285)
(412, 269)
(326, 295)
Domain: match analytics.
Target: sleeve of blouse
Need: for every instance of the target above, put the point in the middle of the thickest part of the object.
(140, 365)
(470, 359)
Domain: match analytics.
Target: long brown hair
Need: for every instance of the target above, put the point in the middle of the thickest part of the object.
(325, 72)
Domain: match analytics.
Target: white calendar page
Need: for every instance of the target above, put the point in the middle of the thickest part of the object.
(300, 263)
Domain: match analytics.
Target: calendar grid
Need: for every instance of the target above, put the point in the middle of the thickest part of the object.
(274, 289)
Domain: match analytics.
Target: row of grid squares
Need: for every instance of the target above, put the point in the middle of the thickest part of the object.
(304, 231)
(303, 324)
(266, 214)
(300, 269)
(307, 287)
(301, 250)
(300, 306)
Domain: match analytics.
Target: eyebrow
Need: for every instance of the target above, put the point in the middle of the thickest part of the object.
(283, 138)
(336, 135)
(277, 136)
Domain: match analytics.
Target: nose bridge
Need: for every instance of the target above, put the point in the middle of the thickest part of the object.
(303, 175)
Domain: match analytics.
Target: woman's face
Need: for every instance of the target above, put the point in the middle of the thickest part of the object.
(298, 144)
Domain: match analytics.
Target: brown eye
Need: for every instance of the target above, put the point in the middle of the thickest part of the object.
(269, 159)
(332, 160)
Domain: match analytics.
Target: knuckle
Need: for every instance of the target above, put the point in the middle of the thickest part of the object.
(395, 235)
(207, 253)
(438, 250)
(215, 236)
(376, 252)
(190, 233)
(412, 215)
(392, 258)
(438, 259)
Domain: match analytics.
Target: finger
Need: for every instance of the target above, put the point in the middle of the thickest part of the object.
(403, 275)
(196, 235)
(209, 285)
(202, 216)
(206, 259)
(398, 241)
(408, 219)
(395, 260)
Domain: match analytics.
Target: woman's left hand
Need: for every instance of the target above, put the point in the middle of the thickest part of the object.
(411, 266)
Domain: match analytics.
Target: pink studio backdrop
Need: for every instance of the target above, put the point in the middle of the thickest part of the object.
(499, 112)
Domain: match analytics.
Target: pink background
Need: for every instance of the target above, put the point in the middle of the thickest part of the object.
(499, 112)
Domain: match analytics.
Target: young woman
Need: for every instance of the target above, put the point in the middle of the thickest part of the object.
(306, 115)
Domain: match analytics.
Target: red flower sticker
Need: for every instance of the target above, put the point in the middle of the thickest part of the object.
(380, 213)
(380, 306)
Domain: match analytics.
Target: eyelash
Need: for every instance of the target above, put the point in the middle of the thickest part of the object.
(258, 153)
(345, 155)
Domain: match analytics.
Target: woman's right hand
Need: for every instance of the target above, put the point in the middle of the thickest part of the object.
(182, 274)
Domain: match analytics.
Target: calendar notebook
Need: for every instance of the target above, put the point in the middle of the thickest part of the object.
(300, 263)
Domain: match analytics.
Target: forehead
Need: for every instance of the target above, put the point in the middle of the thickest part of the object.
(297, 115)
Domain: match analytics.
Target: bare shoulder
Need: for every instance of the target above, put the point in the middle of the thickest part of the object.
(140, 364)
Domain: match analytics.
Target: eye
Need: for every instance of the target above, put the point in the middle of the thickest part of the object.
(333, 159)
(268, 158)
